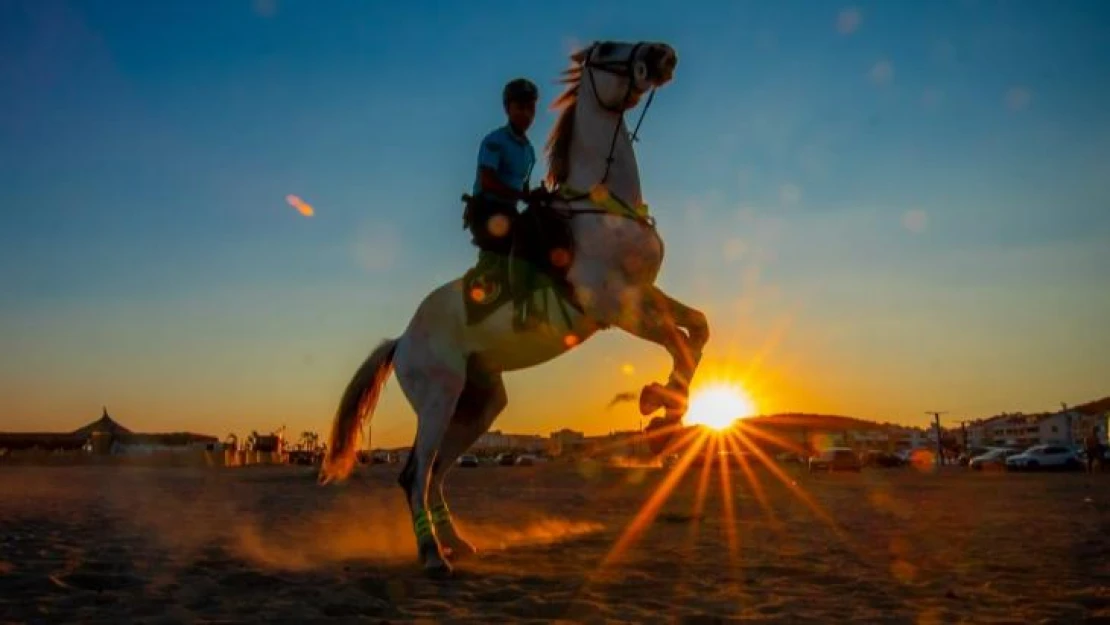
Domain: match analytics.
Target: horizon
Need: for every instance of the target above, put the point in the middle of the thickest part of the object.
(295, 432)
(882, 209)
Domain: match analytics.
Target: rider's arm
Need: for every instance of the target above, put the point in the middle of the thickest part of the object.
(492, 184)
(489, 159)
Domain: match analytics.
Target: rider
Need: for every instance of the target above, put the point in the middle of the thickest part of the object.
(505, 161)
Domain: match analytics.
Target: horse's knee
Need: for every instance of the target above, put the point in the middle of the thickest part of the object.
(700, 326)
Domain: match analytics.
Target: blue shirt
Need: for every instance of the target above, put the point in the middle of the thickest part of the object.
(508, 154)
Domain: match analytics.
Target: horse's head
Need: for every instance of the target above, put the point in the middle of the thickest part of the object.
(619, 73)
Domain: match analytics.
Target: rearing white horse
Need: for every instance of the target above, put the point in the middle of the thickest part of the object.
(450, 370)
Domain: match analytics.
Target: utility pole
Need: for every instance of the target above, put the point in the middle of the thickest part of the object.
(936, 430)
(963, 431)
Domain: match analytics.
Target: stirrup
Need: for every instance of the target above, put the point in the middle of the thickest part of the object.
(525, 319)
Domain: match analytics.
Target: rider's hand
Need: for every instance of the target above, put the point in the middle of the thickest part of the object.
(538, 194)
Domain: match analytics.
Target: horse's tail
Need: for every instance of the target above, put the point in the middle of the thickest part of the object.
(356, 405)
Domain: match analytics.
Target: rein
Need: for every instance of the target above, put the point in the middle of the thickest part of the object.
(609, 203)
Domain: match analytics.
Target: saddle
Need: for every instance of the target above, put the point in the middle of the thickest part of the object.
(538, 260)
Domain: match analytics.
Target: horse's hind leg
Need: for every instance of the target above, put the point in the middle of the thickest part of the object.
(482, 400)
(433, 389)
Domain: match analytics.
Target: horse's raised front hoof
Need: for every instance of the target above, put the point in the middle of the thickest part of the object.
(655, 396)
(651, 398)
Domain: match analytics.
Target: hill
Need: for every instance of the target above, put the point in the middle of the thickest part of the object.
(1098, 406)
(800, 420)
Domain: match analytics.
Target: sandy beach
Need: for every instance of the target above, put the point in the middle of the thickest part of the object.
(266, 544)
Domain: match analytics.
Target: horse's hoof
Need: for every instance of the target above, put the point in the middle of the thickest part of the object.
(437, 570)
(655, 396)
(651, 398)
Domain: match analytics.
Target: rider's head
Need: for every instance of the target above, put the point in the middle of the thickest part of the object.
(519, 98)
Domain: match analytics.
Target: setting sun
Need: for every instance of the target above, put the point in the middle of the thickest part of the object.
(718, 406)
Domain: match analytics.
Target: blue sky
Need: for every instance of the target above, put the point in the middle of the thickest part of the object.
(899, 205)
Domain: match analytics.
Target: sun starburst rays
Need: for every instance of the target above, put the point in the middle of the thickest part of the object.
(721, 451)
(717, 436)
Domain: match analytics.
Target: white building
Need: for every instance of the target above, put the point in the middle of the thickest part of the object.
(497, 441)
(1021, 430)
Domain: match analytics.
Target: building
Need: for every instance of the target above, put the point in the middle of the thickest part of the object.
(106, 436)
(1091, 417)
(626, 444)
(176, 442)
(1005, 429)
(623, 444)
(495, 441)
(566, 442)
(1067, 427)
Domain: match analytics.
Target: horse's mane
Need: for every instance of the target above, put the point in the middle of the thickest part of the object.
(558, 141)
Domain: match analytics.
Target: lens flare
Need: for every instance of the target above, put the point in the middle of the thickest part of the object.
(302, 207)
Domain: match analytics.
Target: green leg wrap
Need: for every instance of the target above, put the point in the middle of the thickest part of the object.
(441, 515)
(422, 525)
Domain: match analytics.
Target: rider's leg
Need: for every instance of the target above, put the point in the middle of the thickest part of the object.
(522, 272)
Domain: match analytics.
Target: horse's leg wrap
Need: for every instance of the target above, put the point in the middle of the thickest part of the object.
(427, 543)
(422, 526)
(448, 537)
(440, 515)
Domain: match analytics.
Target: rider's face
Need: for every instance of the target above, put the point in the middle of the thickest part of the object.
(521, 114)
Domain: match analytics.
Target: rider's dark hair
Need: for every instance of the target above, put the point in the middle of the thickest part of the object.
(519, 90)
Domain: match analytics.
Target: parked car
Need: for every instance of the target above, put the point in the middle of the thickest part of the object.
(835, 459)
(882, 459)
(1041, 457)
(965, 457)
(468, 460)
(994, 458)
(505, 459)
(525, 460)
(789, 457)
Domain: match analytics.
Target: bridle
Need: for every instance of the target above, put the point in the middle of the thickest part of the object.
(630, 68)
(636, 72)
